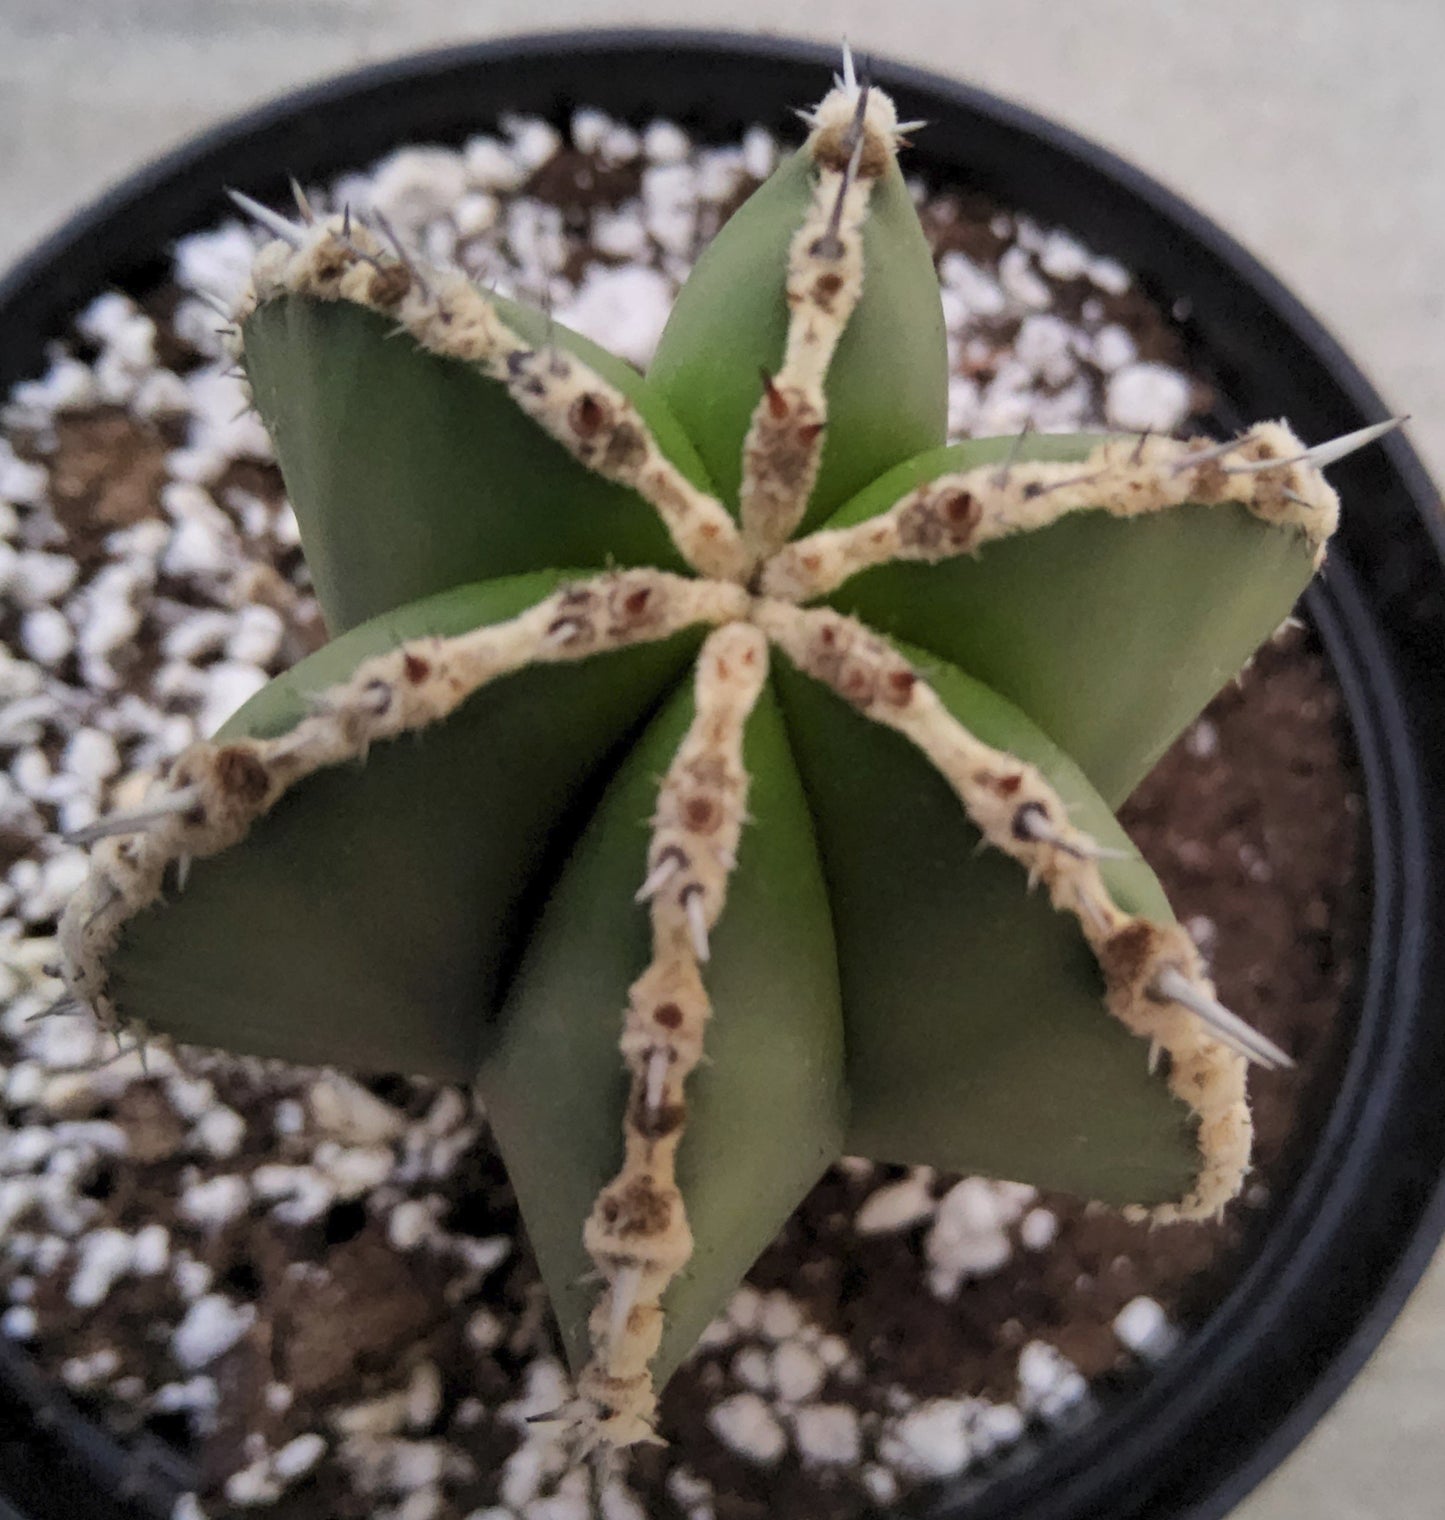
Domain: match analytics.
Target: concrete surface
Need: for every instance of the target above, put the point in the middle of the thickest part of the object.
(1315, 132)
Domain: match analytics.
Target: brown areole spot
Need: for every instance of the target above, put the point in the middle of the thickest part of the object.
(668, 1015)
(240, 775)
(1211, 481)
(329, 263)
(642, 1210)
(899, 687)
(825, 287)
(626, 448)
(700, 815)
(587, 415)
(659, 1123)
(777, 401)
(636, 1208)
(962, 512)
(857, 683)
(1126, 954)
(919, 526)
(388, 285)
(834, 149)
(416, 668)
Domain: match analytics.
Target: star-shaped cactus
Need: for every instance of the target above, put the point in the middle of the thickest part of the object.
(921, 676)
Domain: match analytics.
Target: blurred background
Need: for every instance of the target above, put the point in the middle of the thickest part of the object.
(1313, 132)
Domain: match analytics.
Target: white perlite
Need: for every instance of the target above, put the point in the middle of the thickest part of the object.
(1038, 1229)
(930, 1441)
(215, 1201)
(1148, 396)
(343, 1108)
(746, 1424)
(798, 1372)
(1144, 1328)
(298, 1456)
(1049, 1384)
(897, 1205)
(627, 306)
(969, 1237)
(827, 1434)
(19, 1323)
(212, 1325)
(105, 1256)
(220, 1131)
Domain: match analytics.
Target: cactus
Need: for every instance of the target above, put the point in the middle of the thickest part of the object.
(888, 686)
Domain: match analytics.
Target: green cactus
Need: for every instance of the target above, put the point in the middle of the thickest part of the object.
(853, 656)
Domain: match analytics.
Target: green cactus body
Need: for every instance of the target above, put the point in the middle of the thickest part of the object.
(887, 687)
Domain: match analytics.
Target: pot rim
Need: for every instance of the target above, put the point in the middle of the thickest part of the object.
(1381, 615)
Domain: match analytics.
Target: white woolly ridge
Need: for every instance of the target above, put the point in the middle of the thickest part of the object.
(784, 445)
(959, 513)
(637, 1233)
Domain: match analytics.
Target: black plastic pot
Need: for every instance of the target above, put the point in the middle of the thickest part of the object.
(1343, 1250)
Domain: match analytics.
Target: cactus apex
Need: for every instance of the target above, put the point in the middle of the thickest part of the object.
(854, 121)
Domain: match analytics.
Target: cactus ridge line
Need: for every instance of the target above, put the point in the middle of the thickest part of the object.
(637, 1232)
(784, 445)
(960, 513)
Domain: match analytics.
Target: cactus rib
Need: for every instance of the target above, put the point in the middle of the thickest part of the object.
(851, 144)
(959, 513)
(447, 315)
(638, 1233)
(214, 793)
(1003, 796)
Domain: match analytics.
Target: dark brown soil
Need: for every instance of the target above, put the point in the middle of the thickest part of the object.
(106, 473)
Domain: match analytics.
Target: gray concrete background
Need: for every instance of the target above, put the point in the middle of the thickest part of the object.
(1313, 131)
